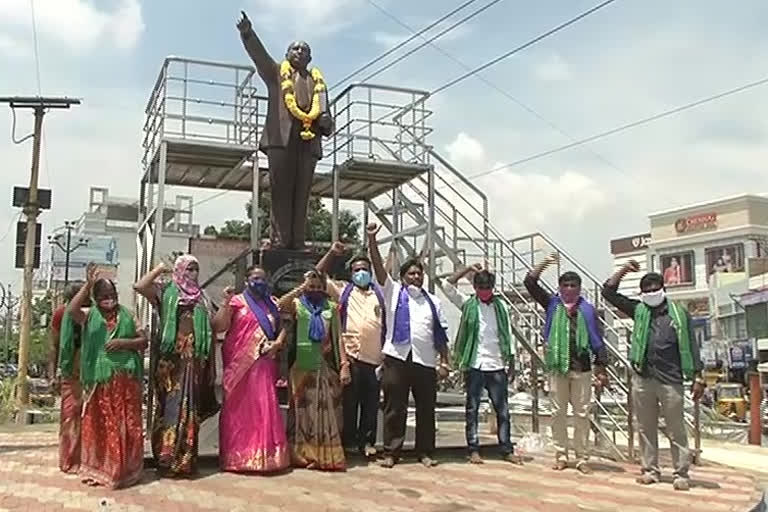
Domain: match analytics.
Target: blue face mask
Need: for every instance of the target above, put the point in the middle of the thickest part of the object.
(259, 287)
(361, 278)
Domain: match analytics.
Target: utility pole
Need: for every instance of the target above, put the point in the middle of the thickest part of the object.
(31, 209)
(10, 304)
(68, 249)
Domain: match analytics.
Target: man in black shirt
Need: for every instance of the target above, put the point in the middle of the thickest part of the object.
(573, 336)
(663, 354)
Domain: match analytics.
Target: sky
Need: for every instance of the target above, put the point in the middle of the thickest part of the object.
(628, 61)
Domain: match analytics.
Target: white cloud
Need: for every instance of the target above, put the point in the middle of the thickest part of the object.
(465, 151)
(78, 24)
(303, 16)
(552, 68)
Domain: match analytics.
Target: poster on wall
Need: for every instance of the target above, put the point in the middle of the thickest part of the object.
(677, 269)
(726, 258)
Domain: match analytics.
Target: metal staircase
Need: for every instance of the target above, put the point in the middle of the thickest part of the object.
(203, 120)
(444, 215)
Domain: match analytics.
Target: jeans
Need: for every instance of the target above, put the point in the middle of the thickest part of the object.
(496, 384)
(361, 396)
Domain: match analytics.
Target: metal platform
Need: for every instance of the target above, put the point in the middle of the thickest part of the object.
(212, 165)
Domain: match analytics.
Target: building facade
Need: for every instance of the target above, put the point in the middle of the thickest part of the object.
(626, 249)
(704, 252)
(108, 228)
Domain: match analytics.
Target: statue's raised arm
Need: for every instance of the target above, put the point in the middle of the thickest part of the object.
(265, 64)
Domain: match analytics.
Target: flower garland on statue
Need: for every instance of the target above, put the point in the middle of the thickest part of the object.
(287, 85)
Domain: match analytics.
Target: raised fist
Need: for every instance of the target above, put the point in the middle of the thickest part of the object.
(633, 266)
(477, 267)
(338, 248)
(227, 294)
(373, 229)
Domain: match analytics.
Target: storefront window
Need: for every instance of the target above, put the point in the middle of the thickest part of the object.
(725, 258)
(677, 269)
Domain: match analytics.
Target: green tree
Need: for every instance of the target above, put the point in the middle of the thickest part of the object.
(318, 223)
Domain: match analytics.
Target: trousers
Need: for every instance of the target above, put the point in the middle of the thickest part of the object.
(496, 384)
(290, 173)
(361, 405)
(574, 388)
(651, 397)
(398, 379)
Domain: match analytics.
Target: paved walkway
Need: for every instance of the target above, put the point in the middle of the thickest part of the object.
(30, 480)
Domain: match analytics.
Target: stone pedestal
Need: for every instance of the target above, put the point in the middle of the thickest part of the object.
(286, 267)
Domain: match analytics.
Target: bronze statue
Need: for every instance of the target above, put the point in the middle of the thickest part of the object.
(297, 118)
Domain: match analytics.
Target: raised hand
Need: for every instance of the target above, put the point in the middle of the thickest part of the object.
(91, 273)
(227, 294)
(632, 266)
(477, 267)
(553, 258)
(338, 248)
(372, 229)
(244, 25)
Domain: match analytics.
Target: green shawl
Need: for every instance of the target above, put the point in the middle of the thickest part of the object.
(309, 354)
(96, 364)
(169, 321)
(641, 330)
(67, 345)
(558, 357)
(467, 338)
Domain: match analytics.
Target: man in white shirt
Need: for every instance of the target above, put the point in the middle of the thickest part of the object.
(483, 351)
(415, 337)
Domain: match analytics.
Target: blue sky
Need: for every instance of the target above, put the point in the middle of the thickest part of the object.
(632, 59)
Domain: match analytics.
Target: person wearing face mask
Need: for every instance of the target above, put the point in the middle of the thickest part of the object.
(183, 376)
(415, 337)
(483, 351)
(318, 372)
(111, 364)
(361, 308)
(663, 354)
(573, 337)
(251, 432)
(69, 387)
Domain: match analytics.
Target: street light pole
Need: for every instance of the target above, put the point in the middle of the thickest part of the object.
(68, 249)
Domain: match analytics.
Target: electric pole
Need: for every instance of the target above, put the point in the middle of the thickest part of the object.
(39, 105)
(67, 249)
(10, 304)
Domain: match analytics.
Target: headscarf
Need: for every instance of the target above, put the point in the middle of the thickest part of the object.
(189, 290)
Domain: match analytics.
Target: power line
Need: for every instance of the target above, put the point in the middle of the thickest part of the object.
(428, 41)
(39, 89)
(403, 43)
(627, 126)
(36, 48)
(523, 46)
(499, 89)
(10, 225)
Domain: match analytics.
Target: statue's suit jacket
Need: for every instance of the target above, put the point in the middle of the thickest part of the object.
(280, 122)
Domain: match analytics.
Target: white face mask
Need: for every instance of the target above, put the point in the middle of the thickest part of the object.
(653, 299)
(413, 290)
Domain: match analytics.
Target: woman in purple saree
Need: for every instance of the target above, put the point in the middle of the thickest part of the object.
(251, 432)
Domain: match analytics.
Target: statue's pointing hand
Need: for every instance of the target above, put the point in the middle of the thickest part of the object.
(244, 25)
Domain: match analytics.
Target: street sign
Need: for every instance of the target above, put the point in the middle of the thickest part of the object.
(21, 238)
(21, 195)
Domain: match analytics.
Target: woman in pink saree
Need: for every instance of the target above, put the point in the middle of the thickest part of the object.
(251, 432)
